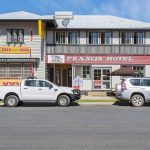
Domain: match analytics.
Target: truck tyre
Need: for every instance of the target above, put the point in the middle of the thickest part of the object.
(11, 101)
(63, 101)
(137, 100)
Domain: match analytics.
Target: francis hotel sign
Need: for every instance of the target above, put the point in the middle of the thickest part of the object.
(98, 59)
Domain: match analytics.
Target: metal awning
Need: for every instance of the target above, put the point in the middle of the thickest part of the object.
(124, 71)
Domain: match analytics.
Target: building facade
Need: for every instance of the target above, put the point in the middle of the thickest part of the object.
(72, 50)
(88, 48)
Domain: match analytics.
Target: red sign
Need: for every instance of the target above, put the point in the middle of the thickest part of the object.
(99, 59)
(97, 82)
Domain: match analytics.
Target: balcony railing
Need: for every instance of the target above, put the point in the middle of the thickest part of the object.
(99, 49)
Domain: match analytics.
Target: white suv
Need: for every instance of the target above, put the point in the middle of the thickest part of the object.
(135, 90)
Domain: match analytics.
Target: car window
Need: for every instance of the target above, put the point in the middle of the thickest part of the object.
(135, 82)
(31, 83)
(43, 84)
(146, 82)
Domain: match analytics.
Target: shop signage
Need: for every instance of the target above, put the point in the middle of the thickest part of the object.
(10, 82)
(98, 59)
(15, 50)
(97, 82)
(18, 60)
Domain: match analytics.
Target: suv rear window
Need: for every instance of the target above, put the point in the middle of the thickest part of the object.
(135, 82)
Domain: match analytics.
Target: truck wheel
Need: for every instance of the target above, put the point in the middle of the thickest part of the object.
(137, 100)
(11, 101)
(63, 101)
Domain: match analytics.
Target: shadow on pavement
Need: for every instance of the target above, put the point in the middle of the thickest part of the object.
(122, 103)
(40, 104)
(126, 103)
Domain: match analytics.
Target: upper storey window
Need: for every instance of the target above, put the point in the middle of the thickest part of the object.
(72, 37)
(105, 37)
(138, 37)
(93, 37)
(61, 38)
(126, 38)
(15, 36)
(132, 37)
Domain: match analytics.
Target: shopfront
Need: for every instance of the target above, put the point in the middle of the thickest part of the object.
(91, 72)
(16, 62)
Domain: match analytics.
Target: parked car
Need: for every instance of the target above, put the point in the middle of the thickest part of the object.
(36, 90)
(135, 90)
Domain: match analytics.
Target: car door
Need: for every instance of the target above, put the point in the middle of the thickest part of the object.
(29, 90)
(145, 88)
(46, 91)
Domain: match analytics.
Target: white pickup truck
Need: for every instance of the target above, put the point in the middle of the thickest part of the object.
(36, 90)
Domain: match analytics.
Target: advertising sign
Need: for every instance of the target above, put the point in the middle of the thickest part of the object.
(10, 82)
(15, 50)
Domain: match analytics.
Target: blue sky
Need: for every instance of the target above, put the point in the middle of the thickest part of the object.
(133, 9)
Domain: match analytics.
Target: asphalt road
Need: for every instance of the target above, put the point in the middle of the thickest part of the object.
(43, 127)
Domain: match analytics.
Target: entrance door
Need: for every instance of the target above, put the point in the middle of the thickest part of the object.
(100, 79)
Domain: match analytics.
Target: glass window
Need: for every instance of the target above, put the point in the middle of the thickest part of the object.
(27, 70)
(105, 37)
(15, 36)
(43, 84)
(140, 69)
(126, 38)
(21, 35)
(30, 83)
(78, 71)
(146, 82)
(135, 82)
(93, 37)
(60, 38)
(9, 37)
(72, 37)
(138, 37)
(3, 70)
(86, 72)
(15, 70)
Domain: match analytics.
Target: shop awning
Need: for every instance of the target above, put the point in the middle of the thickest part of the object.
(124, 71)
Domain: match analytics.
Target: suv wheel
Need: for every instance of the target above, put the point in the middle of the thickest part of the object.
(63, 101)
(11, 101)
(137, 100)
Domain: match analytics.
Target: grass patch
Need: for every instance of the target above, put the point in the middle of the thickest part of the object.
(101, 100)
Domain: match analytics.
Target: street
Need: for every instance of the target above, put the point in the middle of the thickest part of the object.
(44, 127)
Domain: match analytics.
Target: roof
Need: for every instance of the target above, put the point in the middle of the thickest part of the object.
(22, 15)
(124, 71)
(102, 22)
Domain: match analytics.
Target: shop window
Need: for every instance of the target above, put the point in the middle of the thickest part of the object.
(27, 70)
(78, 71)
(15, 36)
(3, 70)
(73, 37)
(138, 37)
(86, 72)
(105, 37)
(93, 37)
(15, 70)
(140, 69)
(126, 37)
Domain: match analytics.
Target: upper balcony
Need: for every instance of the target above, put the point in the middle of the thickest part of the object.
(99, 49)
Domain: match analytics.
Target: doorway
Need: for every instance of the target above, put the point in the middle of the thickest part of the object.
(100, 79)
(61, 74)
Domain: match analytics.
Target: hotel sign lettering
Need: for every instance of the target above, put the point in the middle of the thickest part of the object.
(15, 50)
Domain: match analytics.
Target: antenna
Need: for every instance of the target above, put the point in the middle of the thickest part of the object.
(65, 22)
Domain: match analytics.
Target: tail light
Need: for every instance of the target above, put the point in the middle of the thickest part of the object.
(123, 87)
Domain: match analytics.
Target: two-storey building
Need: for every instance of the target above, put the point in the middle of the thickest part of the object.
(84, 49)
(22, 44)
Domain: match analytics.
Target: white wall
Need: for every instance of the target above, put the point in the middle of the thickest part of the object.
(147, 40)
(115, 37)
(82, 37)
